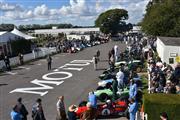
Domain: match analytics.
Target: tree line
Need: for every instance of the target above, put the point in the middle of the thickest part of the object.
(10, 27)
(162, 18)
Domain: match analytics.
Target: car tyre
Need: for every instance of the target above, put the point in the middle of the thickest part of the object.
(103, 97)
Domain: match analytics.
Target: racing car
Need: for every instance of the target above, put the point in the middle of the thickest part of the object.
(117, 107)
(105, 94)
(137, 64)
(108, 74)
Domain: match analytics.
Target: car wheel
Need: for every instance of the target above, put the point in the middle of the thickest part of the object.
(103, 97)
(105, 112)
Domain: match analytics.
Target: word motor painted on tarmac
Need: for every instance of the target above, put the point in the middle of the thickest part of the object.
(42, 89)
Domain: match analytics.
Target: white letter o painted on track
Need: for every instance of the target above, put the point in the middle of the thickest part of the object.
(50, 78)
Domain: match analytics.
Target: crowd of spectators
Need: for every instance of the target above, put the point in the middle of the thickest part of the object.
(163, 78)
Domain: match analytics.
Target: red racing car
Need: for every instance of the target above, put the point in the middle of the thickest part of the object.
(107, 109)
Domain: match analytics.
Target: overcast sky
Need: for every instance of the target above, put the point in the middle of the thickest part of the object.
(76, 12)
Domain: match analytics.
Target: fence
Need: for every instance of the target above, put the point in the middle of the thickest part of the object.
(40, 52)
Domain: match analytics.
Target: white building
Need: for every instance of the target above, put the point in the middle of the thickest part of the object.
(80, 37)
(136, 30)
(67, 31)
(168, 49)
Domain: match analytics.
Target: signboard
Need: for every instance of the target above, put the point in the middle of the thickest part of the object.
(178, 59)
(173, 54)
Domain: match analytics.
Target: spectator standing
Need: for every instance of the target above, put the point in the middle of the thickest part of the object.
(133, 108)
(15, 113)
(95, 61)
(21, 58)
(37, 111)
(49, 61)
(61, 112)
(98, 55)
(72, 113)
(7, 63)
(22, 109)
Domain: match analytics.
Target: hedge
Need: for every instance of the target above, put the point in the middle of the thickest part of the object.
(154, 104)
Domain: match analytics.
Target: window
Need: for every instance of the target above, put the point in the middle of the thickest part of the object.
(171, 60)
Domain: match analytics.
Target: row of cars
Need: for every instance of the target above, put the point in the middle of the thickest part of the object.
(104, 93)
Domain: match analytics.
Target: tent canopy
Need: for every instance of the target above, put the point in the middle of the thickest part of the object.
(19, 33)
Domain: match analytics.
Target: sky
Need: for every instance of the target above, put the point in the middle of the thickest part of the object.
(76, 12)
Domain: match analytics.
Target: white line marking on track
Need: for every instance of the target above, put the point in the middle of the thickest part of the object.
(60, 55)
(22, 67)
(43, 60)
(39, 64)
(11, 73)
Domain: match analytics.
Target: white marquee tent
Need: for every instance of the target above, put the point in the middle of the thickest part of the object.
(19, 33)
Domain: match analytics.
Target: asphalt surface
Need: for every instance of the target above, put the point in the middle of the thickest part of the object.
(74, 89)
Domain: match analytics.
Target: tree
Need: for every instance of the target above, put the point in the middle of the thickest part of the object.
(6, 27)
(162, 18)
(113, 21)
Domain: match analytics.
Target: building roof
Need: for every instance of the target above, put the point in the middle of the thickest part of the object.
(170, 41)
(19, 33)
(67, 30)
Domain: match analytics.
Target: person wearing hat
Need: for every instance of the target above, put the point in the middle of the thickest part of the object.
(71, 112)
(61, 112)
(22, 109)
(164, 116)
(37, 111)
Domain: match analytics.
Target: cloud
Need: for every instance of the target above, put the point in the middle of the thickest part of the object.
(77, 12)
(41, 10)
(9, 7)
(77, 8)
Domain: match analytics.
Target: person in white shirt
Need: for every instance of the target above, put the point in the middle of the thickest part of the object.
(120, 79)
(116, 53)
